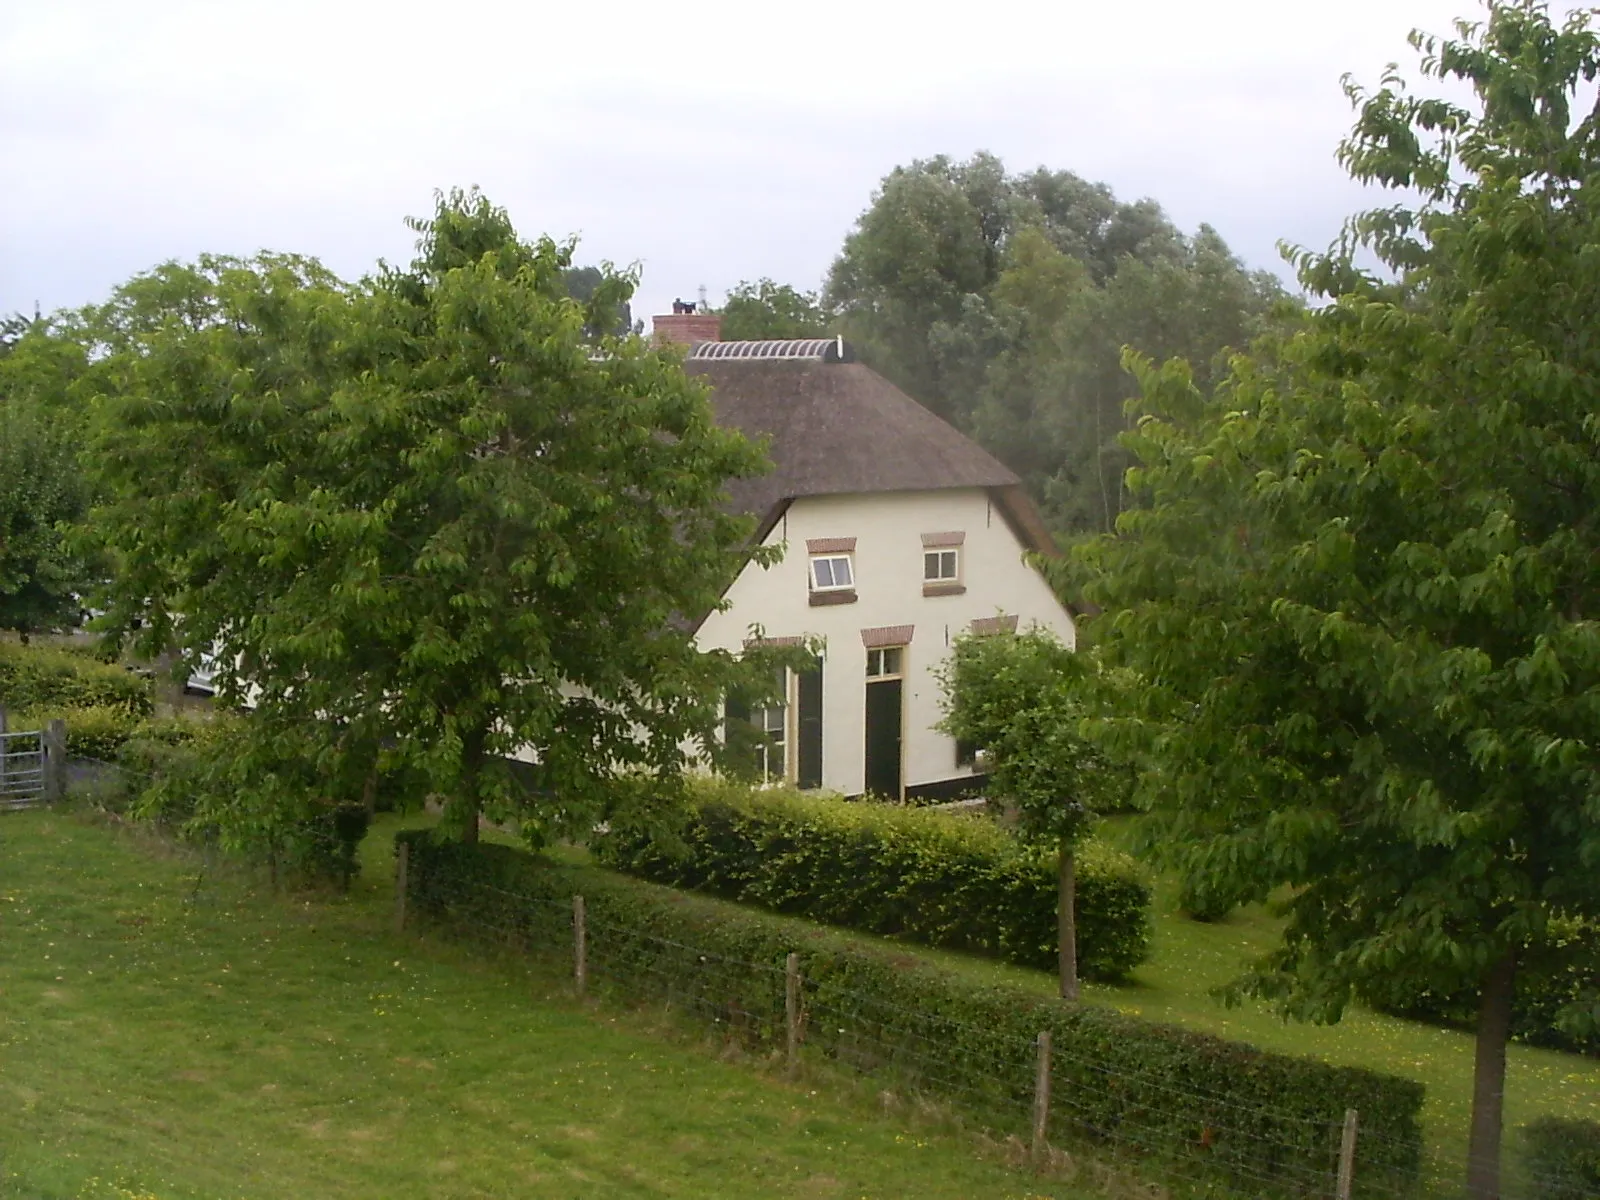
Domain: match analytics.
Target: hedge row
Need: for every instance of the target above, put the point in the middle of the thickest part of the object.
(1563, 1158)
(41, 677)
(104, 731)
(931, 877)
(1223, 1111)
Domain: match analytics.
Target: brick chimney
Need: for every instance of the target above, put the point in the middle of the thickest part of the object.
(687, 325)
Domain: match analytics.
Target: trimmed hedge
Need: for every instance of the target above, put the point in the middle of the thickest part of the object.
(1563, 1158)
(936, 878)
(40, 677)
(103, 731)
(1225, 1111)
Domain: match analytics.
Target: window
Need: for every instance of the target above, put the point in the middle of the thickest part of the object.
(941, 566)
(967, 756)
(760, 733)
(773, 723)
(831, 573)
(884, 662)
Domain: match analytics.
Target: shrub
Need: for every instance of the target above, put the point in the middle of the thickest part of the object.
(208, 783)
(325, 844)
(1222, 1108)
(39, 678)
(1563, 977)
(102, 731)
(935, 878)
(1563, 1158)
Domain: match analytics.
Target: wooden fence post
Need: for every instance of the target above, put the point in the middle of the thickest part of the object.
(55, 760)
(1041, 1099)
(791, 1009)
(580, 946)
(402, 863)
(1347, 1156)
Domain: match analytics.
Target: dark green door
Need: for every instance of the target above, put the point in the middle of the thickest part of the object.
(883, 737)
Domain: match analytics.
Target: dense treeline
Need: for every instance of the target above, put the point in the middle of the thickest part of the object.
(1004, 302)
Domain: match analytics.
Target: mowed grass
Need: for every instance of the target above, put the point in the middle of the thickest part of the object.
(1191, 959)
(170, 1033)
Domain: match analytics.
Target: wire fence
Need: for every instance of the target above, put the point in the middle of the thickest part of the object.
(1048, 1103)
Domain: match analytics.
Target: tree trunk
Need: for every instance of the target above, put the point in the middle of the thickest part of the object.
(369, 793)
(1489, 1079)
(1067, 923)
(467, 799)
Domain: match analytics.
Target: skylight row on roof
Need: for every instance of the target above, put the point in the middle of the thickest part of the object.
(787, 349)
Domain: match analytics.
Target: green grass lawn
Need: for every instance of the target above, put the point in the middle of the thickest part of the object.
(165, 1035)
(1191, 958)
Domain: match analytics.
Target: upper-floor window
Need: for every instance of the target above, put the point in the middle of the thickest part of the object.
(941, 566)
(832, 572)
(941, 563)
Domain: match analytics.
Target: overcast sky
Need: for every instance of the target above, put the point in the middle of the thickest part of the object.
(709, 142)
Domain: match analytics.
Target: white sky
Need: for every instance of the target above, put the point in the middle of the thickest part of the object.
(708, 141)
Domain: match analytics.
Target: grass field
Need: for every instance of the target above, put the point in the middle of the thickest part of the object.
(164, 1034)
(168, 1034)
(1190, 959)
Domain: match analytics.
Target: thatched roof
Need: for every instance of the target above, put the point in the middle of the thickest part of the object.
(840, 428)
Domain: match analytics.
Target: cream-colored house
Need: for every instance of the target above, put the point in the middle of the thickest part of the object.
(900, 534)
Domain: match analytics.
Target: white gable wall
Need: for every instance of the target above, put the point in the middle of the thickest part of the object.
(889, 588)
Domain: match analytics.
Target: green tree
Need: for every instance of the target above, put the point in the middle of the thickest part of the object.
(1004, 302)
(584, 282)
(1357, 592)
(1023, 698)
(911, 280)
(1053, 403)
(43, 492)
(764, 309)
(429, 508)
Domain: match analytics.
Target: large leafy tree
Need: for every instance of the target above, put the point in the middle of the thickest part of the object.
(1359, 588)
(43, 492)
(1052, 405)
(431, 509)
(1023, 699)
(764, 309)
(1003, 301)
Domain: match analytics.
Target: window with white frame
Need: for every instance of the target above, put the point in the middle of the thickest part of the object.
(832, 572)
(941, 566)
(773, 723)
(885, 662)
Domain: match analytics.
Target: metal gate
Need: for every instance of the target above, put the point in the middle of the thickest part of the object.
(22, 770)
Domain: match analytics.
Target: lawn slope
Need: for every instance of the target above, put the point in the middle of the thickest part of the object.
(173, 1034)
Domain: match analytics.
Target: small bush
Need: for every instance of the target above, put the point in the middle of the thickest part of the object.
(1223, 1109)
(934, 878)
(1563, 1158)
(38, 678)
(1557, 981)
(102, 731)
(205, 783)
(325, 845)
